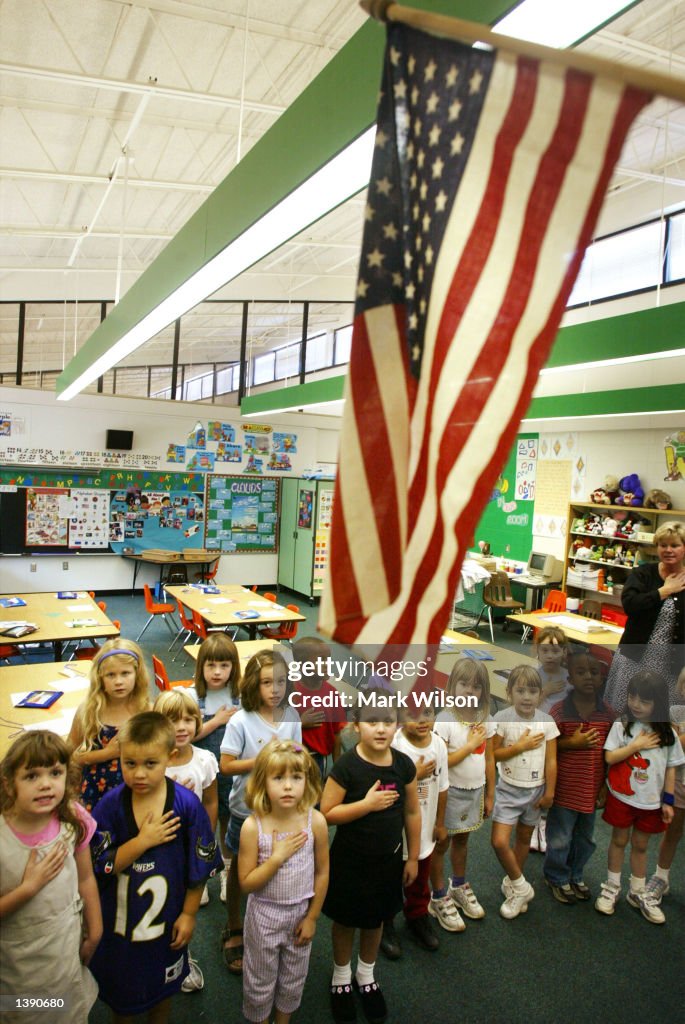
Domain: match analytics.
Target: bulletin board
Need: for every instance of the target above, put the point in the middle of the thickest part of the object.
(507, 520)
(242, 515)
(169, 520)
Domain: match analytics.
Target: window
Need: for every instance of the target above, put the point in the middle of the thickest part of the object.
(625, 262)
(319, 352)
(288, 361)
(343, 344)
(675, 260)
(263, 368)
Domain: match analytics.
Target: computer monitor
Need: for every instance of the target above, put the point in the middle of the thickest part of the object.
(540, 564)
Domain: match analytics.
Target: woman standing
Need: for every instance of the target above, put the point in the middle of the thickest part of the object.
(654, 600)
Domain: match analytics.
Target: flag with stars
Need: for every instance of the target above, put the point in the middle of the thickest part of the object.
(488, 176)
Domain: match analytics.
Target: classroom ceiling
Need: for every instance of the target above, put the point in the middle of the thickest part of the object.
(119, 118)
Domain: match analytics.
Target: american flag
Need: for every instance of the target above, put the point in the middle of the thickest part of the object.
(488, 176)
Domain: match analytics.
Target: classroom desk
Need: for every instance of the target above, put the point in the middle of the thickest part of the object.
(246, 648)
(503, 660)
(220, 609)
(610, 636)
(22, 679)
(51, 615)
(138, 560)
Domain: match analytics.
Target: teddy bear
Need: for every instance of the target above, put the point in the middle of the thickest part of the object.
(657, 499)
(606, 494)
(631, 492)
(609, 526)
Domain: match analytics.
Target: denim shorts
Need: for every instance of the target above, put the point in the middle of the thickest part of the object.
(235, 824)
(464, 810)
(514, 804)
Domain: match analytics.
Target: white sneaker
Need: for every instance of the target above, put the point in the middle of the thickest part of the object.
(534, 843)
(541, 835)
(446, 913)
(517, 902)
(204, 899)
(465, 899)
(195, 980)
(645, 902)
(608, 897)
(223, 883)
(657, 888)
(505, 886)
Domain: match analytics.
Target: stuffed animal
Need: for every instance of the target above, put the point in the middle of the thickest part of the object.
(630, 489)
(609, 526)
(657, 499)
(606, 494)
(583, 552)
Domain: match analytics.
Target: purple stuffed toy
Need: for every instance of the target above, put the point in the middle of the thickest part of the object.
(631, 492)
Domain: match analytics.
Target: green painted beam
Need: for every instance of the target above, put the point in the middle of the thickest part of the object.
(330, 389)
(661, 329)
(663, 398)
(333, 110)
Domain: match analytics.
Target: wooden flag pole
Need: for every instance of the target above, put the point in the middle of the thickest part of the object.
(472, 32)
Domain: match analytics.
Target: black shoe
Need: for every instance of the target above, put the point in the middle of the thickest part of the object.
(343, 1008)
(581, 891)
(390, 942)
(422, 930)
(562, 893)
(373, 1003)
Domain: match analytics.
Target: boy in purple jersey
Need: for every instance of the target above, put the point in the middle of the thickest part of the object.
(154, 851)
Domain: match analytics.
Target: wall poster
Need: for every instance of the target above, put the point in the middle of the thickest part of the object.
(242, 515)
(47, 523)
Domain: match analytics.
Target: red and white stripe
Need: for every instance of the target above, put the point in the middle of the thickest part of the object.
(419, 459)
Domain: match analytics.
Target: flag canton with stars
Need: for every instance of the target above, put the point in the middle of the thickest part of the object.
(428, 111)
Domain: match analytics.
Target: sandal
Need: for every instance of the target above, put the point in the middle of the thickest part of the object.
(232, 954)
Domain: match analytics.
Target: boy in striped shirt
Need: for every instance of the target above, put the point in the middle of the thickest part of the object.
(584, 721)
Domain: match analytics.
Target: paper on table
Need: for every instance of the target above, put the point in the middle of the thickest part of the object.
(70, 685)
(61, 724)
(220, 600)
(79, 607)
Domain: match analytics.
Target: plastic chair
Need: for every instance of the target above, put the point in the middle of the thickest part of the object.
(102, 606)
(554, 602)
(88, 653)
(270, 597)
(186, 625)
(286, 631)
(591, 609)
(162, 679)
(156, 608)
(8, 651)
(497, 594)
(199, 626)
(208, 575)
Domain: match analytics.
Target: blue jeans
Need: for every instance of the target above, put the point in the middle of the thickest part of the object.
(569, 844)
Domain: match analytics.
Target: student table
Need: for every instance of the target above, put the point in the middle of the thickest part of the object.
(23, 679)
(608, 636)
(246, 648)
(201, 558)
(51, 615)
(501, 663)
(223, 609)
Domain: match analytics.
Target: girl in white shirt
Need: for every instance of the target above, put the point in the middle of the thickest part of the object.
(468, 733)
(525, 749)
(196, 769)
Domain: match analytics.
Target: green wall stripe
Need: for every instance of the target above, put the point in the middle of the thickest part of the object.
(630, 334)
(330, 389)
(664, 398)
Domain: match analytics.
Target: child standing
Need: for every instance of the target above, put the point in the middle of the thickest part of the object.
(119, 689)
(45, 873)
(417, 739)
(321, 725)
(642, 752)
(551, 648)
(197, 770)
(264, 716)
(217, 687)
(525, 752)
(468, 732)
(584, 721)
(155, 850)
(369, 796)
(283, 865)
(658, 885)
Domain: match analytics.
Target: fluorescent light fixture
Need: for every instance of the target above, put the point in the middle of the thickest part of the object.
(339, 179)
(604, 416)
(646, 357)
(555, 24)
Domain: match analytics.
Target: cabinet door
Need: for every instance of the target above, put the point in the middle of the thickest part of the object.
(304, 536)
(287, 533)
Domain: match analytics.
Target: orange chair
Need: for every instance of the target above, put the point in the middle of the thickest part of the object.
(102, 605)
(8, 651)
(186, 624)
(270, 597)
(208, 575)
(554, 602)
(199, 626)
(162, 679)
(157, 608)
(286, 631)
